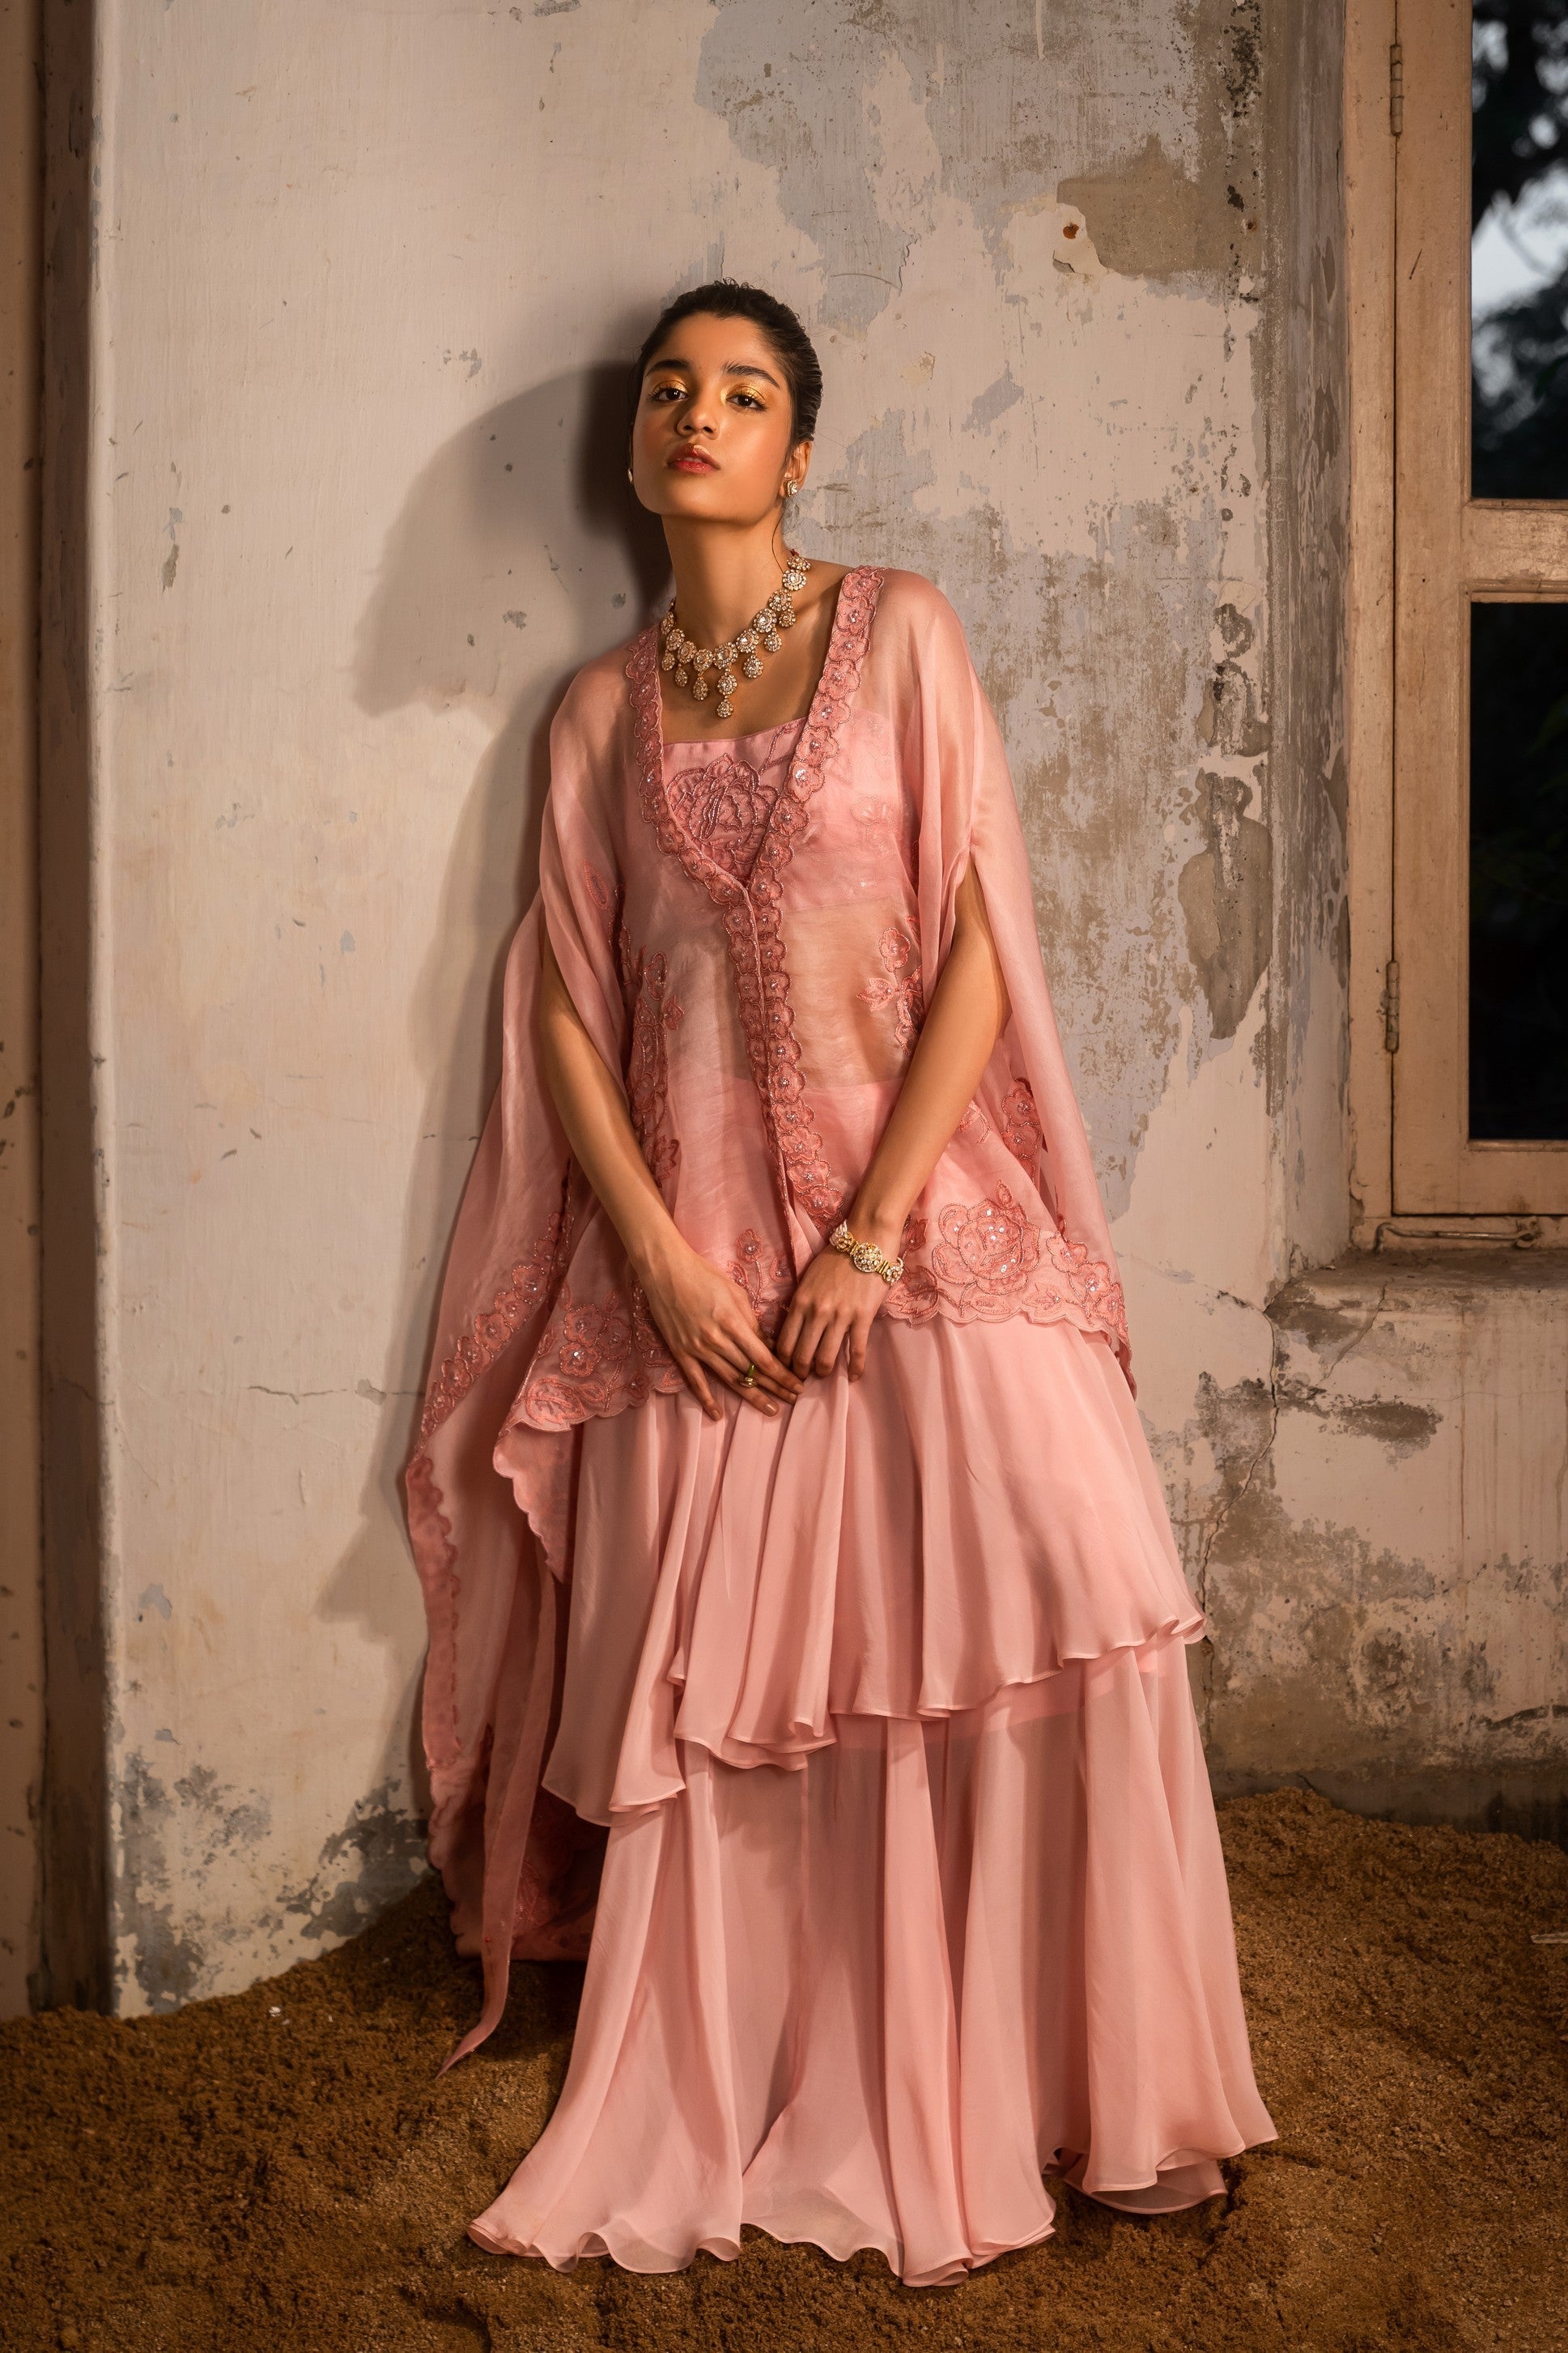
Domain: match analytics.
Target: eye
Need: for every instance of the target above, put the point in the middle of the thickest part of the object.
(661, 390)
(750, 398)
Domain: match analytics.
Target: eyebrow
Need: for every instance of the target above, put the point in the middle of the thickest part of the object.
(730, 367)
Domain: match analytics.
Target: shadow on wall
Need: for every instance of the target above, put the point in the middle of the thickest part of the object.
(519, 553)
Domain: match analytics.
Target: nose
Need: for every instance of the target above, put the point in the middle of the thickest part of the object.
(695, 417)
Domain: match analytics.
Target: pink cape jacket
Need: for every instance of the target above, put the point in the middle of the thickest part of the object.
(755, 970)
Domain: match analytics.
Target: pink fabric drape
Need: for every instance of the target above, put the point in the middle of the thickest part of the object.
(963, 1557)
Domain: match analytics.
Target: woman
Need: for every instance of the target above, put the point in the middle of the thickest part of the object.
(817, 1662)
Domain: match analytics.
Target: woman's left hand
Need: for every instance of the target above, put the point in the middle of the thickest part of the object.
(833, 1309)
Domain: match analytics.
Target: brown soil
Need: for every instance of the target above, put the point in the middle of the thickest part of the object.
(280, 2168)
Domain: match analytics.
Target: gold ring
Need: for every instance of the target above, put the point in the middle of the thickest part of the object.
(748, 1377)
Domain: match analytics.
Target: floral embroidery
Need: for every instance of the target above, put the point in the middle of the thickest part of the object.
(595, 1360)
(987, 1253)
(914, 1298)
(600, 1357)
(992, 1262)
(655, 1012)
(526, 1288)
(598, 890)
(899, 985)
(765, 1275)
(750, 911)
(1021, 1130)
(427, 1521)
(725, 808)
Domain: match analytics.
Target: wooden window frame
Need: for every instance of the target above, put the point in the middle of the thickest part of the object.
(1421, 551)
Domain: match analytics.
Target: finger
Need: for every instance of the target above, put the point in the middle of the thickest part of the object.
(827, 1348)
(747, 1335)
(768, 1376)
(804, 1349)
(730, 1368)
(772, 1367)
(696, 1381)
(753, 1391)
(749, 1347)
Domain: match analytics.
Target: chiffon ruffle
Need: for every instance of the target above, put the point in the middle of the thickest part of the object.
(978, 1510)
(913, 1887)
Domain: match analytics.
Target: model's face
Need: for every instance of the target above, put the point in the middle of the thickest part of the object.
(711, 436)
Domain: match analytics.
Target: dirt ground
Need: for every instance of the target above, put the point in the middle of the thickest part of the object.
(280, 2168)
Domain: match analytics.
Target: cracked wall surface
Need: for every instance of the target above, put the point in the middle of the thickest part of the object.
(1397, 1475)
(369, 278)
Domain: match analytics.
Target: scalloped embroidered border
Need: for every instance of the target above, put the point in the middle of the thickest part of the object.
(654, 1011)
(751, 911)
(526, 1287)
(597, 1358)
(993, 1261)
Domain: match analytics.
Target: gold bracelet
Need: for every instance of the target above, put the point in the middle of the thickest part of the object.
(865, 1255)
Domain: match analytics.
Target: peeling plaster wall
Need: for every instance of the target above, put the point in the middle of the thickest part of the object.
(344, 418)
(1386, 1571)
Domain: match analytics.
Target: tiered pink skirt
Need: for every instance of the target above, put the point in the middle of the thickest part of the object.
(912, 1886)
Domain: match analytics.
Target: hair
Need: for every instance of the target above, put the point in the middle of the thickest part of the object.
(726, 298)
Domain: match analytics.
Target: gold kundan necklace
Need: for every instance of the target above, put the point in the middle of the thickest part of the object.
(690, 662)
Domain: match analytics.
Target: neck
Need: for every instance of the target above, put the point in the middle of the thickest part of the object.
(724, 574)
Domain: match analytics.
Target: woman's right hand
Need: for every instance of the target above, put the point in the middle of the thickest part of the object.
(710, 1327)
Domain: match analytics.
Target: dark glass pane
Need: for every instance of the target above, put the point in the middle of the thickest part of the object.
(1519, 870)
(1519, 249)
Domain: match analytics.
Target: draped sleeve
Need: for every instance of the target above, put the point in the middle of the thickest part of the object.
(969, 815)
(495, 1632)
(581, 887)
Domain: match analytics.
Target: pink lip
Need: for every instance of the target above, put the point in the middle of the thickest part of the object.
(692, 461)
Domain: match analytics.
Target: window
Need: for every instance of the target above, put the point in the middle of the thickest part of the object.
(1476, 1002)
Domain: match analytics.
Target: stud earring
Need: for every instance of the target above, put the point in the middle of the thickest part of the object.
(790, 490)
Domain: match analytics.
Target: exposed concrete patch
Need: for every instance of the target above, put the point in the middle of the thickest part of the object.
(224, 1819)
(991, 404)
(797, 95)
(1227, 893)
(171, 1837)
(1420, 1649)
(1148, 218)
(1010, 107)
(1402, 1427)
(364, 1867)
(166, 1962)
(1230, 722)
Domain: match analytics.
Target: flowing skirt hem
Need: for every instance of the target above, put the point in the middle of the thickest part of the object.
(634, 2255)
(1187, 2179)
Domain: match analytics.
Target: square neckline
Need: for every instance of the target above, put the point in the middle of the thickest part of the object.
(780, 742)
(814, 746)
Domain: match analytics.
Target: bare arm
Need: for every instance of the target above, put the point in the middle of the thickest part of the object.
(834, 1302)
(707, 1320)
